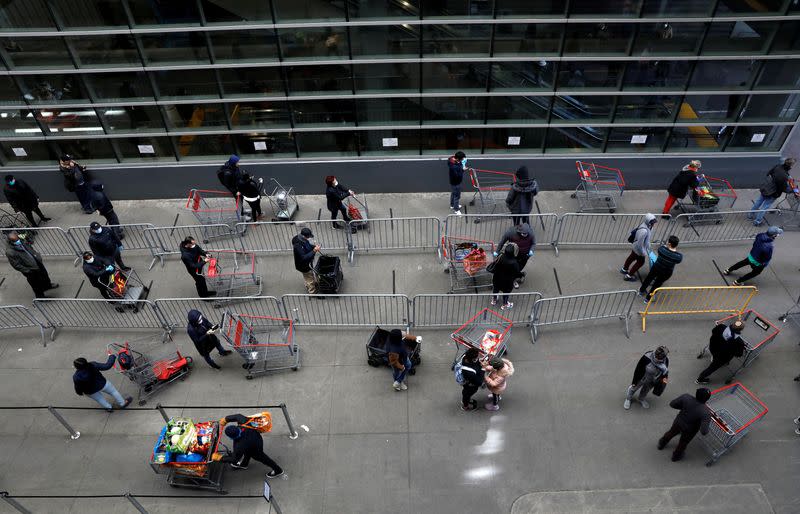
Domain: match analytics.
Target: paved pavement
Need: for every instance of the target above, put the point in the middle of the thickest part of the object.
(560, 441)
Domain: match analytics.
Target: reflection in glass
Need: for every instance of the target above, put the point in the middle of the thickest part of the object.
(115, 87)
(307, 10)
(173, 12)
(464, 110)
(698, 138)
(18, 123)
(94, 14)
(328, 79)
(619, 139)
(771, 107)
(665, 8)
(455, 40)
(323, 113)
(50, 89)
(527, 38)
(723, 74)
(38, 52)
(272, 145)
(244, 46)
(178, 84)
(143, 118)
(174, 47)
(314, 43)
(130, 151)
(589, 74)
(329, 142)
(787, 39)
(87, 150)
(35, 152)
(387, 77)
(367, 9)
(497, 140)
(758, 139)
(597, 38)
(518, 109)
(112, 50)
(605, 8)
(9, 94)
(16, 14)
(574, 139)
(523, 76)
(259, 114)
(238, 82)
(454, 76)
(738, 37)
(387, 40)
(237, 11)
(640, 75)
(191, 146)
(778, 74)
(668, 38)
(453, 8)
(650, 107)
(526, 8)
(711, 107)
(195, 116)
(438, 141)
(755, 8)
(573, 108)
(385, 111)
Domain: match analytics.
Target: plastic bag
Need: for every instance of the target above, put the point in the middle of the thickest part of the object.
(475, 261)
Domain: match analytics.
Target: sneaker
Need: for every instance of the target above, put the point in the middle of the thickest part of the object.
(396, 386)
(702, 381)
(403, 386)
(493, 302)
(237, 466)
(507, 306)
(630, 278)
(797, 420)
(472, 406)
(516, 284)
(737, 283)
(647, 298)
(623, 271)
(641, 293)
(128, 401)
(45, 219)
(491, 406)
(676, 458)
(109, 410)
(627, 404)
(645, 404)
(727, 271)
(757, 224)
(275, 473)
(457, 212)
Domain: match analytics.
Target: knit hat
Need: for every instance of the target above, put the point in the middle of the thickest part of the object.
(774, 231)
(395, 337)
(702, 395)
(233, 432)
(94, 226)
(233, 159)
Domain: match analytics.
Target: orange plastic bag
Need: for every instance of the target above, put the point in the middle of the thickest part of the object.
(213, 269)
(261, 422)
(475, 261)
(354, 212)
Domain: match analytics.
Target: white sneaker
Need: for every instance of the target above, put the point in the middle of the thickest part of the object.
(797, 420)
(403, 386)
(645, 404)
(457, 212)
(493, 302)
(627, 404)
(508, 305)
(396, 386)
(516, 284)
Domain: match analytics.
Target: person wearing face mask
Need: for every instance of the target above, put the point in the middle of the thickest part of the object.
(99, 272)
(335, 193)
(105, 244)
(522, 235)
(24, 199)
(103, 205)
(250, 188)
(23, 258)
(194, 258)
(456, 165)
(201, 332)
(759, 256)
(76, 180)
(304, 252)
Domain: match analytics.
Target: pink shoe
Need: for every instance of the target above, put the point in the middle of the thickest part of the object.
(491, 406)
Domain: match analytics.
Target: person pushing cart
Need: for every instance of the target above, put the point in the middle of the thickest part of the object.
(247, 442)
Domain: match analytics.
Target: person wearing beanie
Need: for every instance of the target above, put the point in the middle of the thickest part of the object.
(759, 256)
(229, 175)
(335, 193)
(640, 248)
(105, 243)
(505, 272)
(23, 198)
(652, 367)
(496, 380)
(99, 272)
(693, 417)
(473, 375)
(520, 196)
(201, 332)
(247, 444)
(89, 381)
(521, 235)
(103, 205)
(725, 344)
(776, 183)
(399, 358)
(304, 251)
(456, 165)
(76, 180)
(250, 188)
(680, 185)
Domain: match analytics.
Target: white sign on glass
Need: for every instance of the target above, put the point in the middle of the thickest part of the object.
(143, 149)
(389, 141)
(513, 140)
(20, 152)
(638, 139)
(758, 138)
(260, 145)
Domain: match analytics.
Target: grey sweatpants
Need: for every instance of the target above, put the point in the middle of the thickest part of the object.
(643, 387)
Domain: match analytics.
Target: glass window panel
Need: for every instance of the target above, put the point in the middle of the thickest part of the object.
(388, 111)
(49, 89)
(440, 141)
(574, 108)
(530, 140)
(787, 40)
(91, 14)
(244, 46)
(574, 139)
(172, 12)
(527, 38)
(78, 121)
(727, 8)
(723, 74)
(604, 7)
(526, 8)
(200, 146)
(175, 47)
(387, 40)
(737, 37)
(597, 38)
(366, 9)
(328, 142)
(18, 123)
(195, 116)
(523, 76)
(25, 15)
(458, 76)
(656, 74)
(455, 40)
(668, 38)
(518, 109)
(453, 8)
(711, 107)
(129, 148)
(467, 110)
(307, 10)
(87, 150)
(779, 74)
(314, 43)
(322, 113)
(372, 142)
(180, 84)
(387, 77)
(666, 8)
(771, 107)
(39, 52)
(99, 51)
(589, 75)
(259, 114)
(278, 144)
(9, 93)
(650, 107)
(619, 139)
(37, 152)
(237, 11)
(115, 87)
(252, 82)
(695, 138)
(327, 79)
(758, 139)
(131, 118)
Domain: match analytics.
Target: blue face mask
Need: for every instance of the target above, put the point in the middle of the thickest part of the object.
(12, 182)
(18, 242)
(464, 161)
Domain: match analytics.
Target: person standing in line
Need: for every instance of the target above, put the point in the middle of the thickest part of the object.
(334, 194)
(201, 332)
(473, 376)
(194, 258)
(661, 270)
(693, 417)
(456, 165)
(76, 180)
(103, 205)
(775, 184)
(520, 197)
(103, 242)
(24, 199)
(680, 185)
(640, 248)
(725, 344)
(521, 235)
(250, 189)
(23, 258)
(229, 175)
(99, 272)
(652, 367)
(247, 444)
(89, 381)
(505, 273)
(304, 251)
(759, 256)
(497, 380)
(399, 359)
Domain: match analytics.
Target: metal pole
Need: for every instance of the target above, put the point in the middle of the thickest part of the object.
(135, 503)
(274, 504)
(163, 412)
(73, 434)
(11, 501)
(292, 432)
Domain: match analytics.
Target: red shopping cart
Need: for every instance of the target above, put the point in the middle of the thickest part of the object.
(491, 189)
(734, 410)
(597, 187)
(151, 363)
(487, 331)
(213, 208)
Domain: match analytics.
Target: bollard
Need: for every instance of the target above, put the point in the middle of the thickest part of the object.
(163, 412)
(73, 434)
(135, 503)
(11, 501)
(292, 432)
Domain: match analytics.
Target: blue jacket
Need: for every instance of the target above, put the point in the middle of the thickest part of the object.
(105, 243)
(456, 171)
(303, 253)
(90, 380)
(762, 249)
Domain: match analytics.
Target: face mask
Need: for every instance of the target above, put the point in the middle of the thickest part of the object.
(99, 230)
(18, 242)
(190, 247)
(335, 183)
(12, 182)
(90, 260)
(464, 161)
(200, 320)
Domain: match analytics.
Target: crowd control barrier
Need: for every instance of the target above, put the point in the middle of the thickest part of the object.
(276, 236)
(49, 241)
(173, 311)
(109, 315)
(698, 300)
(167, 240)
(582, 307)
(452, 310)
(348, 310)
(135, 238)
(13, 317)
(395, 234)
(717, 227)
(587, 229)
(491, 227)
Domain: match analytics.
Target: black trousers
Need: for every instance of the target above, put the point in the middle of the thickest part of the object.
(683, 442)
(39, 281)
(29, 214)
(261, 457)
(335, 212)
(466, 393)
(117, 257)
(754, 270)
(112, 219)
(520, 218)
(714, 366)
(200, 284)
(256, 208)
(657, 277)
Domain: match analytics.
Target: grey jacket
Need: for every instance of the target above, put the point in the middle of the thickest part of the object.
(23, 258)
(641, 244)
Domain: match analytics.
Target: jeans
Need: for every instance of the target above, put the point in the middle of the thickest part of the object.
(110, 390)
(762, 204)
(633, 263)
(455, 196)
(755, 270)
(400, 375)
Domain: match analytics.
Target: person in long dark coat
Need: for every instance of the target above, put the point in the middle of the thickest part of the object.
(24, 199)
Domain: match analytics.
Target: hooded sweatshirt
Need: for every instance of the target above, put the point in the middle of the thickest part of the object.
(520, 198)
(456, 171)
(761, 252)
(197, 332)
(525, 244)
(648, 370)
(641, 242)
(497, 379)
(89, 380)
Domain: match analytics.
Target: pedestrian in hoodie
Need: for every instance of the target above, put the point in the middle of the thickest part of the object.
(680, 185)
(25, 259)
(229, 175)
(775, 184)
(201, 332)
(399, 358)
(652, 367)
(89, 381)
(759, 256)
(505, 273)
(473, 375)
(194, 258)
(725, 344)
(24, 199)
(496, 380)
(456, 165)
(521, 235)
(103, 205)
(640, 248)
(693, 417)
(520, 197)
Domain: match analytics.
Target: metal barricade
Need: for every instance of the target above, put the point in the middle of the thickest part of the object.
(421, 233)
(49, 241)
(166, 240)
(493, 226)
(173, 311)
(91, 313)
(12, 219)
(14, 317)
(135, 238)
(348, 310)
(718, 227)
(582, 307)
(698, 300)
(597, 229)
(450, 310)
(276, 237)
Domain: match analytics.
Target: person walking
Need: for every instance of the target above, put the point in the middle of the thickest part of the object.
(521, 235)
(194, 258)
(520, 197)
(693, 417)
(496, 380)
(399, 359)
(759, 256)
(23, 258)
(304, 251)
(472, 374)
(24, 199)
(725, 344)
(334, 194)
(680, 185)
(652, 367)
(455, 166)
(775, 184)
(89, 381)
(103, 205)
(247, 444)
(661, 270)
(250, 189)
(76, 180)
(104, 242)
(640, 248)
(504, 274)
(99, 272)
(201, 332)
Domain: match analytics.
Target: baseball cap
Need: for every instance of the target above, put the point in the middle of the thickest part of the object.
(94, 225)
(306, 232)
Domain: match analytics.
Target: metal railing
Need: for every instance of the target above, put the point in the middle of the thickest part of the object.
(582, 307)
(698, 300)
(166, 240)
(14, 317)
(348, 310)
(276, 236)
(173, 311)
(716, 227)
(491, 227)
(49, 241)
(109, 315)
(452, 310)
(136, 238)
(419, 233)
(592, 229)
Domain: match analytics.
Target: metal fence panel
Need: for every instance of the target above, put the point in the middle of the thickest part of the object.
(490, 227)
(452, 310)
(583, 307)
(396, 234)
(135, 238)
(18, 316)
(166, 240)
(592, 229)
(173, 311)
(276, 236)
(718, 227)
(109, 315)
(348, 310)
(49, 241)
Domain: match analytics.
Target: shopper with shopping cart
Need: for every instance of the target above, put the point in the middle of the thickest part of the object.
(229, 174)
(523, 236)
(105, 243)
(759, 256)
(103, 205)
(652, 368)
(693, 417)
(201, 332)
(194, 258)
(89, 381)
(681, 184)
(640, 248)
(505, 272)
(725, 344)
(304, 251)
(250, 189)
(247, 444)
(24, 199)
(76, 180)
(99, 272)
(776, 183)
(335, 193)
(456, 165)
(520, 196)
(470, 374)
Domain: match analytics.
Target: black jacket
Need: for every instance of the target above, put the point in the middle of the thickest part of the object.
(197, 333)
(724, 350)
(335, 195)
(105, 243)
(21, 196)
(100, 201)
(96, 272)
(505, 272)
(472, 372)
(667, 259)
(249, 443)
(90, 380)
(73, 176)
(191, 259)
(455, 171)
(249, 188)
(303, 253)
(229, 176)
(23, 258)
(525, 244)
(682, 182)
(693, 415)
(775, 185)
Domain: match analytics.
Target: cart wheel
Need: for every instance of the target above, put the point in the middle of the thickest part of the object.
(249, 377)
(717, 222)
(119, 309)
(447, 271)
(608, 198)
(374, 364)
(295, 368)
(572, 195)
(136, 309)
(612, 211)
(477, 220)
(142, 402)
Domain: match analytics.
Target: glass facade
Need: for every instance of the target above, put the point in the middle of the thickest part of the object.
(136, 80)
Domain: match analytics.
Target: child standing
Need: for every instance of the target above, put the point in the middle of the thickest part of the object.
(496, 380)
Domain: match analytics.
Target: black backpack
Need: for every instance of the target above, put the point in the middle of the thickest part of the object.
(632, 235)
